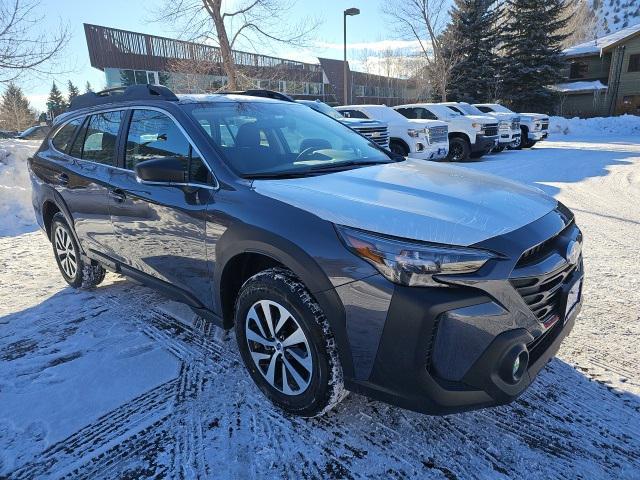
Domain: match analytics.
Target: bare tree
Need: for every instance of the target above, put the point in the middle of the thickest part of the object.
(424, 21)
(247, 23)
(24, 48)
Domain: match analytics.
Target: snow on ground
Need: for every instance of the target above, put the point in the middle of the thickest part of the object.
(121, 383)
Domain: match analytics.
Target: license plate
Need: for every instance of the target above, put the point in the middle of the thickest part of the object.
(573, 298)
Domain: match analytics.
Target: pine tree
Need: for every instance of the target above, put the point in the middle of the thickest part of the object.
(473, 28)
(56, 103)
(531, 53)
(88, 88)
(15, 111)
(73, 91)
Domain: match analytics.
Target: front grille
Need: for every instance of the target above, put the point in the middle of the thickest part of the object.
(490, 129)
(438, 134)
(379, 135)
(543, 293)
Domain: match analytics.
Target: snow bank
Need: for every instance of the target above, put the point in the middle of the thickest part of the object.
(600, 126)
(16, 211)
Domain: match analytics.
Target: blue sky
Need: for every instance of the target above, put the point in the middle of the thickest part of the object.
(364, 31)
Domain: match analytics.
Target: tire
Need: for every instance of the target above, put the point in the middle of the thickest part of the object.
(499, 148)
(529, 144)
(459, 150)
(74, 270)
(398, 148)
(311, 367)
(521, 141)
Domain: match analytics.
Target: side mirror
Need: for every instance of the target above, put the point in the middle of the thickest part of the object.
(162, 170)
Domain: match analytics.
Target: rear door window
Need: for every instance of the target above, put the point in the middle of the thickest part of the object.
(97, 139)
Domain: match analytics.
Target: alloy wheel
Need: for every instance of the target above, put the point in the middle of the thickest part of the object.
(66, 252)
(279, 347)
(457, 150)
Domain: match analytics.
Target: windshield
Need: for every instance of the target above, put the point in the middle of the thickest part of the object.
(469, 109)
(280, 139)
(323, 108)
(442, 111)
(500, 108)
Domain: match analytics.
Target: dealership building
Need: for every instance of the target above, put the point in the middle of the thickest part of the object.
(129, 58)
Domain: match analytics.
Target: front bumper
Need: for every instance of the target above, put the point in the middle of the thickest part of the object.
(444, 350)
(484, 143)
(431, 152)
(538, 136)
(508, 137)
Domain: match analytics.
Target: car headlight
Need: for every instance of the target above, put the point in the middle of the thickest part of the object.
(416, 132)
(477, 126)
(537, 126)
(411, 263)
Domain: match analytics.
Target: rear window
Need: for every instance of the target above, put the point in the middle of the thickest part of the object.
(97, 138)
(63, 138)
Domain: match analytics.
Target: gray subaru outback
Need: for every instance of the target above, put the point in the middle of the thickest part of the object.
(341, 266)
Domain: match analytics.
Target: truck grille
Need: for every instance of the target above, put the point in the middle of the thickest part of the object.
(439, 134)
(378, 135)
(490, 129)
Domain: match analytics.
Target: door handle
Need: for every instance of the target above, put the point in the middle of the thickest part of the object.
(118, 195)
(63, 179)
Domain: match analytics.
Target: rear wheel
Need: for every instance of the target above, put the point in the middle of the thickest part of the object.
(74, 270)
(459, 150)
(398, 148)
(287, 345)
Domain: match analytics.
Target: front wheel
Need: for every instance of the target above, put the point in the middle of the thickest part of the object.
(459, 150)
(398, 148)
(287, 345)
(499, 148)
(74, 270)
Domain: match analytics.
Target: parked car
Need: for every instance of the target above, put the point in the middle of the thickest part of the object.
(37, 132)
(468, 137)
(422, 139)
(508, 123)
(534, 127)
(374, 130)
(340, 265)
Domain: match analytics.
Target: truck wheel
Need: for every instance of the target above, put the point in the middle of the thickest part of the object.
(74, 270)
(459, 150)
(398, 148)
(499, 148)
(520, 142)
(287, 345)
(528, 143)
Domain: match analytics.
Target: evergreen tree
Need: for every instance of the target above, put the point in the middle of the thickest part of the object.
(88, 88)
(15, 111)
(56, 103)
(473, 29)
(73, 91)
(532, 46)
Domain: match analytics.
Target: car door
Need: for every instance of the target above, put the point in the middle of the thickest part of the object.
(161, 228)
(84, 183)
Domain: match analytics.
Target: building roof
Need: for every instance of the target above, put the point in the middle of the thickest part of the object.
(579, 87)
(602, 44)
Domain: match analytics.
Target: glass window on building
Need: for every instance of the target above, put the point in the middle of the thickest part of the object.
(634, 63)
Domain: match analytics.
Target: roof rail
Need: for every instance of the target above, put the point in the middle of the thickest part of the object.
(260, 92)
(119, 94)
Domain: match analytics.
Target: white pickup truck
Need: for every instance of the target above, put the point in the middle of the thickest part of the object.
(423, 139)
(469, 136)
(534, 127)
(508, 123)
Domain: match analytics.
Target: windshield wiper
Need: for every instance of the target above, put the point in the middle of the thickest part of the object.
(330, 167)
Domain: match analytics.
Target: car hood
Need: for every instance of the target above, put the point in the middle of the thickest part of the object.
(356, 122)
(424, 123)
(503, 116)
(415, 199)
(482, 118)
(534, 116)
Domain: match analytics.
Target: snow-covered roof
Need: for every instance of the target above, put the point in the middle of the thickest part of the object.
(576, 87)
(599, 44)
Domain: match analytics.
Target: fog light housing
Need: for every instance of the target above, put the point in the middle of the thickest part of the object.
(514, 364)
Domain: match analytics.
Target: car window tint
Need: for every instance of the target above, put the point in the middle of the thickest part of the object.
(62, 139)
(154, 135)
(485, 109)
(100, 137)
(424, 114)
(76, 148)
(354, 114)
(408, 112)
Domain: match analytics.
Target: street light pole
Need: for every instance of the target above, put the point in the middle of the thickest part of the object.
(348, 12)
